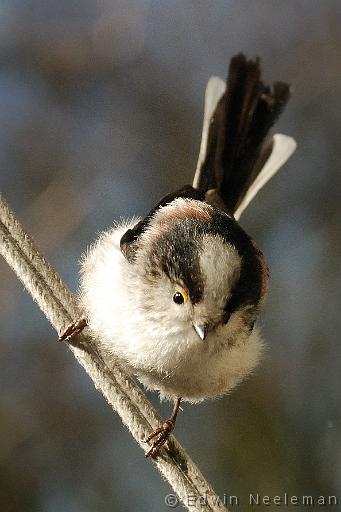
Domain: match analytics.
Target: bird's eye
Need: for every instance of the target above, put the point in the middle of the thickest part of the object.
(179, 297)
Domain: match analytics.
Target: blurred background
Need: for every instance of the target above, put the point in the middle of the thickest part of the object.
(101, 109)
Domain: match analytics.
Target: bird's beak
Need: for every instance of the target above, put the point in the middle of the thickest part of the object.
(201, 330)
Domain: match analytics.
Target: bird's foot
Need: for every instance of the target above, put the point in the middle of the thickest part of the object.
(162, 435)
(163, 432)
(73, 329)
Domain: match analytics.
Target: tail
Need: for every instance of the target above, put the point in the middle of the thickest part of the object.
(237, 156)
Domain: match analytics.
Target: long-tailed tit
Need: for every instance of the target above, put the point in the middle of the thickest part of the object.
(174, 297)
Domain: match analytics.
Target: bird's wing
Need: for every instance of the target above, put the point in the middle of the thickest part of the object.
(237, 155)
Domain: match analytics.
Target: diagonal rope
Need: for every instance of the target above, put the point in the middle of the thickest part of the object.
(60, 308)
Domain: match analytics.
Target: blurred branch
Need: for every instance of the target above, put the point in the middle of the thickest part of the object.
(60, 307)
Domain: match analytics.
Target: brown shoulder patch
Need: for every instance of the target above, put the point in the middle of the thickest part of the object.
(184, 210)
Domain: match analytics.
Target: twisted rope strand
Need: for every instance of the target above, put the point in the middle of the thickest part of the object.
(126, 398)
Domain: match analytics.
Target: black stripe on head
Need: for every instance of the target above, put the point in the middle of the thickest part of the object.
(176, 251)
(252, 284)
(129, 240)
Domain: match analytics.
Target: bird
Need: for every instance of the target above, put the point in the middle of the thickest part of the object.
(174, 297)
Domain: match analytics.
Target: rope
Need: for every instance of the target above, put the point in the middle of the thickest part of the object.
(60, 308)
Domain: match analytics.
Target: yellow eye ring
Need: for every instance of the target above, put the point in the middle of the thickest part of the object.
(180, 297)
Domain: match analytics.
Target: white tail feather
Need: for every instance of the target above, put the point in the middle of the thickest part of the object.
(283, 148)
(214, 90)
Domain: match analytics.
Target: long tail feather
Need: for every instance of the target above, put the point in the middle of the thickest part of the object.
(237, 144)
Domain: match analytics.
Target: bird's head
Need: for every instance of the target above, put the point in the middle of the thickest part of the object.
(195, 267)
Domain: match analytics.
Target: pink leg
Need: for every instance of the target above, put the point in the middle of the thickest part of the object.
(163, 432)
(73, 329)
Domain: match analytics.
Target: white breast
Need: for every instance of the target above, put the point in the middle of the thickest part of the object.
(175, 363)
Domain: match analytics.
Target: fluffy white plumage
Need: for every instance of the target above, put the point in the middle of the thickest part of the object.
(140, 325)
